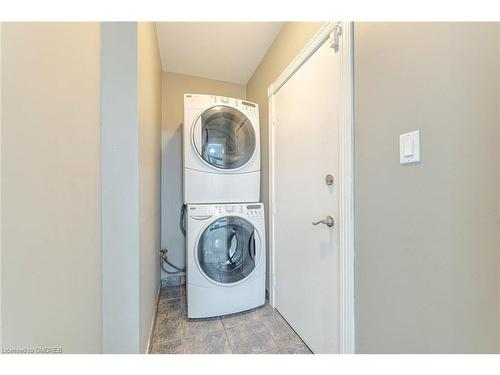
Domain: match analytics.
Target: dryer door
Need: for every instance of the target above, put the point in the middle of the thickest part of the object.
(228, 250)
(224, 137)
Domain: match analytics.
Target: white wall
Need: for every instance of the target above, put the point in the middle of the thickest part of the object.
(174, 87)
(50, 186)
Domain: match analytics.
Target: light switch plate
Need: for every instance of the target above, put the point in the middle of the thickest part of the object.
(409, 147)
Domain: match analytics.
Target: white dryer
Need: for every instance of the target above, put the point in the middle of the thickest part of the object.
(221, 145)
(226, 258)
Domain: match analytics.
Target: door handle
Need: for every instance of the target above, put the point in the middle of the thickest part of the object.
(327, 220)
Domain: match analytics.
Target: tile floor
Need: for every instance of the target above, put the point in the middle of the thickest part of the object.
(261, 330)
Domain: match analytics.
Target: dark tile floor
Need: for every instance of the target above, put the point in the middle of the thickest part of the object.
(261, 330)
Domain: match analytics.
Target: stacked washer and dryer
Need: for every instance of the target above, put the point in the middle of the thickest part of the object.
(225, 223)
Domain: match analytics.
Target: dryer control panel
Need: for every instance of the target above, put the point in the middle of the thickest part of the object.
(203, 101)
(243, 105)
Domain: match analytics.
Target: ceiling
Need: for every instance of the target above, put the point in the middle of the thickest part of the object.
(225, 51)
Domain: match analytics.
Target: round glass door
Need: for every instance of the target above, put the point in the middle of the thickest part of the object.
(226, 250)
(224, 137)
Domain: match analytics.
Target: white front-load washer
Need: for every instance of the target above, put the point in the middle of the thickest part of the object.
(221, 147)
(226, 258)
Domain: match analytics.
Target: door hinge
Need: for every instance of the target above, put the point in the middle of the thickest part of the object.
(335, 37)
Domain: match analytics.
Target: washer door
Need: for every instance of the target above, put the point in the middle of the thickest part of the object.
(224, 137)
(226, 250)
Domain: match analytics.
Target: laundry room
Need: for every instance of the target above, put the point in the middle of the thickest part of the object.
(209, 75)
(215, 137)
(281, 187)
(250, 225)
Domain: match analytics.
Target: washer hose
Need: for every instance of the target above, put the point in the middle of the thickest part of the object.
(167, 271)
(164, 259)
(182, 225)
(174, 266)
(163, 253)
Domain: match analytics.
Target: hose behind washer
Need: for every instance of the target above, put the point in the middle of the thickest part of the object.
(182, 224)
(182, 227)
(177, 272)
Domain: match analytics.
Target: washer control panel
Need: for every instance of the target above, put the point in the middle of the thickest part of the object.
(201, 212)
(255, 210)
(228, 209)
(250, 209)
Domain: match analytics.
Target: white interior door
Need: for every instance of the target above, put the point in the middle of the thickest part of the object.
(306, 149)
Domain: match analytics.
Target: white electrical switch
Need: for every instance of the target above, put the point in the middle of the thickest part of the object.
(409, 147)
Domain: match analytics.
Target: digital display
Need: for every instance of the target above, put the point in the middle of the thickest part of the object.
(253, 206)
(248, 104)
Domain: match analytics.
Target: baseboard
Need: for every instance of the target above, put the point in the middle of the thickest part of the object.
(153, 322)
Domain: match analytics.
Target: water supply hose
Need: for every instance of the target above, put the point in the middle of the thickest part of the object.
(163, 252)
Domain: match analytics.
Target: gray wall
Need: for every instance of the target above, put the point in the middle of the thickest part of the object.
(120, 188)
(50, 186)
(426, 235)
(131, 114)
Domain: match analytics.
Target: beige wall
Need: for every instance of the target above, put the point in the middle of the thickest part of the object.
(50, 186)
(149, 102)
(426, 234)
(174, 87)
(289, 42)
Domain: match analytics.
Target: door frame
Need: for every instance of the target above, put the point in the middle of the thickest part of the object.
(328, 33)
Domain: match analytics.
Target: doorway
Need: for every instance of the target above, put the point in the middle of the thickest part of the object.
(311, 192)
